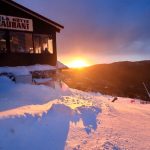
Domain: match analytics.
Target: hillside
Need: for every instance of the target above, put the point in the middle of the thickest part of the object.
(44, 118)
(118, 79)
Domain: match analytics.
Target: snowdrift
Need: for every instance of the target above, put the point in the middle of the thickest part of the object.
(44, 118)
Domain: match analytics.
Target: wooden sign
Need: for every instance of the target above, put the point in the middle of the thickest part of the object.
(16, 23)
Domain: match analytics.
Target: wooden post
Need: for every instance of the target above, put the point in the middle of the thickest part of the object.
(8, 42)
(54, 48)
(33, 43)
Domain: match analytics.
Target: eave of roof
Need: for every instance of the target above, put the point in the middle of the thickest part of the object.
(27, 10)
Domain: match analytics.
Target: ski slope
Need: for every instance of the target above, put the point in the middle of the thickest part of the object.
(42, 118)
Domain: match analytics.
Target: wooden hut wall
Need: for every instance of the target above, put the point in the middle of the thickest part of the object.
(39, 27)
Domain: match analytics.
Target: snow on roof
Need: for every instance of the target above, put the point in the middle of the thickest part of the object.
(61, 65)
(25, 70)
(40, 67)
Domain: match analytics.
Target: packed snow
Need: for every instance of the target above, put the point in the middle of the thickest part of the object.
(39, 117)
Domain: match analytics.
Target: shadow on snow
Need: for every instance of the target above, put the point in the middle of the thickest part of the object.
(47, 132)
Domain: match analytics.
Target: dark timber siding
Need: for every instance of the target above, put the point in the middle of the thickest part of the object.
(21, 59)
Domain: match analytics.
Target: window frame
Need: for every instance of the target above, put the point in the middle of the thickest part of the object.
(24, 41)
(8, 44)
(48, 35)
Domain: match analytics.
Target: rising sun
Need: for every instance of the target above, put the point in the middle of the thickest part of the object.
(79, 63)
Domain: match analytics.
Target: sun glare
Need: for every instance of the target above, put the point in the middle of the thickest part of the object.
(79, 63)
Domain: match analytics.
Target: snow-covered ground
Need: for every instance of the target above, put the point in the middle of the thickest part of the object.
(38, 117)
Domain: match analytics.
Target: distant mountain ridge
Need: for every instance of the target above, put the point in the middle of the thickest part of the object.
(118, 78)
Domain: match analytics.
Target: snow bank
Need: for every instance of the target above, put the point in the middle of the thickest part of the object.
(14, 95)
(21, 70)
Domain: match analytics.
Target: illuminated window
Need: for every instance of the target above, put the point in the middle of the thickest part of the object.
(21, 42)
(43, 43)
(3, 48)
